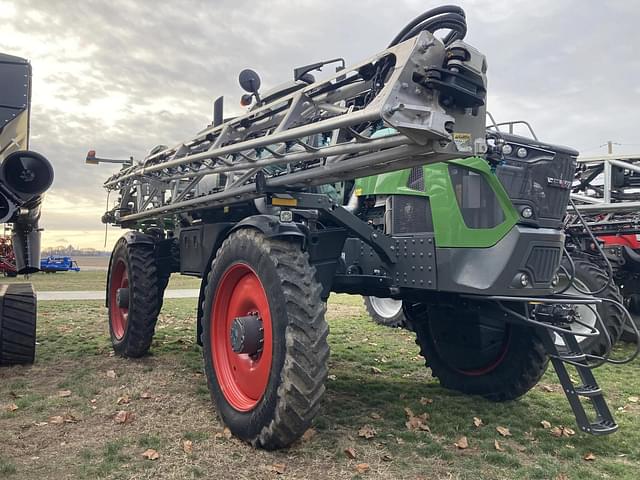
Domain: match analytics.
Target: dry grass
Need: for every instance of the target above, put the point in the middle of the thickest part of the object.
(74, 355)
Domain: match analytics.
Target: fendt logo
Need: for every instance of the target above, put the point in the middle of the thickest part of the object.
(558, 182)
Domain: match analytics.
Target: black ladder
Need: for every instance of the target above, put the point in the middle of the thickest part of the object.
(604, 423)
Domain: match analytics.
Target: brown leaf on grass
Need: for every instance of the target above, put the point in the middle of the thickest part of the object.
(123, 400)
(416, 422)
(462, 443)
(387, 458)
(187, 446)
(279, 468)
(68, 418)
(562, 431)
(124, 416)
(556, 431)
(634, 399)
(399, 441)
(64, 393)
(426, 401)
(367, 431)
(309, 434)
(151, 454)
(226, 433)
(568, 432)
(12, 407)
(545, 424)
(145, 395)
(331, 377)
(376, 370)
(362, 468)
(56, 419)
(350, 452)
(478, 422)
(546, 388)
(375, 415)
(589, 457)
(111, 374)
(504, 431)
(41, 424)
(497, 445)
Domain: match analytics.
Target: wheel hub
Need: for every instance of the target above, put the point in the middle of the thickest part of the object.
(122, 297)
(247, 334)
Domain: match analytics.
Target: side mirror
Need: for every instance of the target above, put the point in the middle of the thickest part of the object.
(249, 81)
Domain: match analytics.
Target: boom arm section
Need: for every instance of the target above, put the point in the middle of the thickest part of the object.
(432, 94)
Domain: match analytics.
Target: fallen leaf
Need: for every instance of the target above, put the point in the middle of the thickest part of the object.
(546, 388)
(279, 468)
(150, 454)
(545, 424)
(568, 432)
(375, 416)
(634, 399)
(367, 431)
(145, 395)
(496, 444)
(12, 407)
(56, 419)
(350, 452)
(387, 458)
(331, 377)
(124, 416)
(556, 431)
(462, 443)
(187, 446)
(226, 433)
(93, 400)
(399, 441)
(504, 431)
(41, 424)
(589, 457)
(416, 422)
(375, 370)
(68, 418)
(362, 468)
(64, 393)
(309, 434)
(478, 422)
(111, 374)
(426, 401)
(123, 400)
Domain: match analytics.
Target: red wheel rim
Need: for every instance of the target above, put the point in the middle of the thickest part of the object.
(242, 378)
(118, 316)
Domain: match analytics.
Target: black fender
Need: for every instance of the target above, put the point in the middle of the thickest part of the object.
(132, 238)
(271, 227)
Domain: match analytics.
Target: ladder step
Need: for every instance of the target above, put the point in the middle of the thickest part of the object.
(603, 427)
(573, 357)
(588, 390)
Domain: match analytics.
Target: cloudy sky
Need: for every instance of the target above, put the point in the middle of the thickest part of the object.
(121, 76)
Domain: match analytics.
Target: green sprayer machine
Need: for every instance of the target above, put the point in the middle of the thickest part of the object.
(265, 208)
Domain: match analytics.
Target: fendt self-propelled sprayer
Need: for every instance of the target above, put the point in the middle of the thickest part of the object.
(24, 177)
(264, 208)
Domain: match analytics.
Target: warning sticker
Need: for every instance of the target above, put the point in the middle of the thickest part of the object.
(463, 141)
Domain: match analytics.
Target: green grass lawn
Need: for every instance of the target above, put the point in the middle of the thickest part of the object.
(86, 280)
(375, 374)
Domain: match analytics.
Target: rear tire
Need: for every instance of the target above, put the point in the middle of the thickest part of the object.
(269, 396)
(506, 364)
(385, 311)
(132, 326)
(18, 324)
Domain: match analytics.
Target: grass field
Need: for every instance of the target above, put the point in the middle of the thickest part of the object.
(57, 418)
(87, 280)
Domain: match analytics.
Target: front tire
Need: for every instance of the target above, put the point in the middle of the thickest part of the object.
(264, 339)
(475, 352)
(133, 299)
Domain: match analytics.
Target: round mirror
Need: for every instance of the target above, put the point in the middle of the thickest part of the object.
(249, 81)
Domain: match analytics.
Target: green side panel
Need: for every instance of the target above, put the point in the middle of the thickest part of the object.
(449, 226)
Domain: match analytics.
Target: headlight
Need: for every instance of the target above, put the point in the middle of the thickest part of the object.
(507, 149)
(527, 212)
(521, 152)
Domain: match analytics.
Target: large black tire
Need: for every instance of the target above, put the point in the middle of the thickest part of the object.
(17, 324)
(510, 362)
(286, 299)
(385, 311)
(589, 277)
(133, 266)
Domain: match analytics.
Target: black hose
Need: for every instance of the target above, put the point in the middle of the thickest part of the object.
(445, 17)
